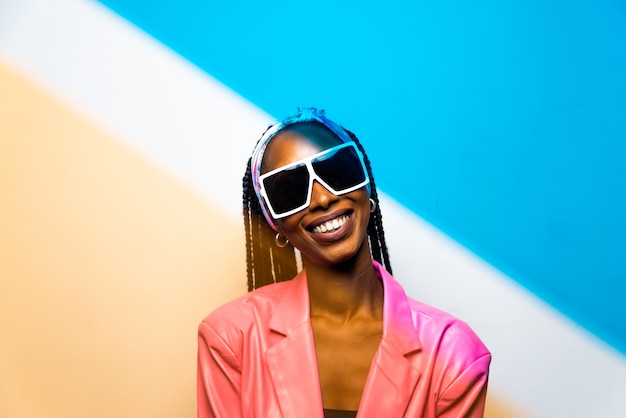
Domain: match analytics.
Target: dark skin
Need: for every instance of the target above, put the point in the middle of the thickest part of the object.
(346, 296)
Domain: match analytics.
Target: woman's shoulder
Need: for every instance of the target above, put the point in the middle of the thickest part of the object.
(246, 309)
(444, 330)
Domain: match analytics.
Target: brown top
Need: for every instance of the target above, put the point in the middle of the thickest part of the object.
(338, 413)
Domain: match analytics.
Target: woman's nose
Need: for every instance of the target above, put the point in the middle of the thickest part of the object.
(320, 196)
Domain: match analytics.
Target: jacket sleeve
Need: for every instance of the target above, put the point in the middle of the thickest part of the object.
(219, 376)
(465, 396)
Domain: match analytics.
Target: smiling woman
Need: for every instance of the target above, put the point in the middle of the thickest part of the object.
(339, 337)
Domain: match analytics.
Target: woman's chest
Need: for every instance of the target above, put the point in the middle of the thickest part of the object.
(344, 358)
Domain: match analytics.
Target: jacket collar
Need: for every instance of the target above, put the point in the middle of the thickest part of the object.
(294, 309)
(292, 362)
(392, 377)
(398, 328)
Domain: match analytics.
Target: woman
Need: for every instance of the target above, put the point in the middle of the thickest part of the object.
(341, 338)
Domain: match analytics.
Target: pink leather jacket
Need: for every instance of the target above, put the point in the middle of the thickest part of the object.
(256, 358)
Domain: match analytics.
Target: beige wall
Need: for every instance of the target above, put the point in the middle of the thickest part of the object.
(106, 267)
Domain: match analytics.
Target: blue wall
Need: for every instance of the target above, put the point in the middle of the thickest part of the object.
(501, 123)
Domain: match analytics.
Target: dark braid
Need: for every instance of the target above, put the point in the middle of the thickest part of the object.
(375, 231)
(267, 263)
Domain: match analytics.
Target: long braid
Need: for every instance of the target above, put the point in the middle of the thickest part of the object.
(375, 231)
(265, 262)
(247, 223)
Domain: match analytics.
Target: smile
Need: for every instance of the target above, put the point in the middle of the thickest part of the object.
(331, 225)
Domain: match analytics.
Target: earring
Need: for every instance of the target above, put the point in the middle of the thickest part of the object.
(372, 205)
(279, 243)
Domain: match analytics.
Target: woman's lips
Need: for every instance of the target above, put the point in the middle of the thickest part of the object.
(331, 225)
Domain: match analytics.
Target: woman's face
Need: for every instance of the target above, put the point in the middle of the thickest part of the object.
(333, 229)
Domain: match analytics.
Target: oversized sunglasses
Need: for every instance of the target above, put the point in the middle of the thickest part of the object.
(287, 189)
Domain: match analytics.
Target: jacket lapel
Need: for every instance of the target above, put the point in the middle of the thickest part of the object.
(291, 361)
(392, 378)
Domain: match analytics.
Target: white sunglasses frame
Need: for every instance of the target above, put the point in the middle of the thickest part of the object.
(313, 176)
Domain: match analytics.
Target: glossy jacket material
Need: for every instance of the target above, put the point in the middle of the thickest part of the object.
(256, 358)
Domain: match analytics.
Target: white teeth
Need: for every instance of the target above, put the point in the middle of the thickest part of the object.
(331, 225)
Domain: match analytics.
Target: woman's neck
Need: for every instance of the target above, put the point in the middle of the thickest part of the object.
(345, 291)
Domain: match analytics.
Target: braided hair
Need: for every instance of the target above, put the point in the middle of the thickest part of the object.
(268, 263)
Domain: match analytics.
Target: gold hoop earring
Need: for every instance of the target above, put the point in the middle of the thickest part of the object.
(279, 243)
(372, 205)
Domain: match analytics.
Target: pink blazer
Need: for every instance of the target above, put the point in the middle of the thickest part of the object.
(256, 358)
